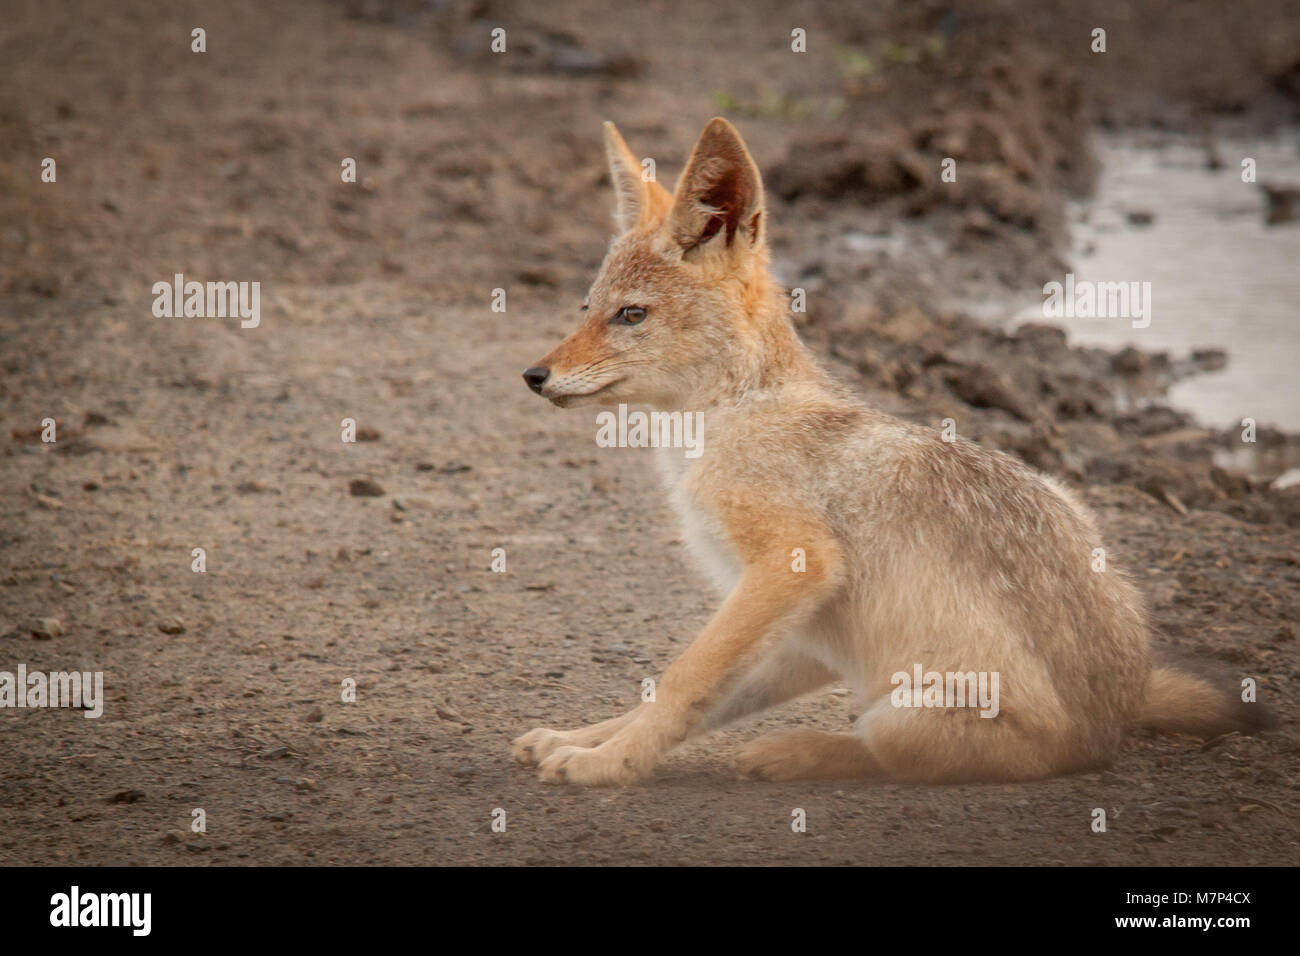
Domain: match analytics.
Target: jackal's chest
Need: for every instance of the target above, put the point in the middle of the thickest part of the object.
(702, 532)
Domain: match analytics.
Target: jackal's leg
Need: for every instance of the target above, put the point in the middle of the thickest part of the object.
(770, 602)
(785, 675)
(957, 745)
(536, 745)
(806, 755)
(923, 745)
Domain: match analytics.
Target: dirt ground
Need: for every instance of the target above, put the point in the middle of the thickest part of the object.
(476, 172)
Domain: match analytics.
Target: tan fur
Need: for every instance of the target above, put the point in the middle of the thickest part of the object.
(1186, 704)
(918, 551)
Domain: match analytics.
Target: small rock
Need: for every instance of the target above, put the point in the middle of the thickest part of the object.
(1210, 359)
(1283, 202)
(365, 433)
(1232, 483)
(172, 625)
(979, 223)
(127, 796)
(316, 716)
(46, 628)
(985, 387)
(1213, 158)
(365, 488)
(1129, 361)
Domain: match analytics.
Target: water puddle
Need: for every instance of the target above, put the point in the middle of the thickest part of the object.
(1220, 278)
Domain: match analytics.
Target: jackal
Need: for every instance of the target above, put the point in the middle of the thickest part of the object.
(850, 545)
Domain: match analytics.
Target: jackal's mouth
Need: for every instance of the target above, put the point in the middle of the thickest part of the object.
(564, 401)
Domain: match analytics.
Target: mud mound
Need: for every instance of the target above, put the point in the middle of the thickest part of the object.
(1007, 119)
(1085, 414)
(1008, 92)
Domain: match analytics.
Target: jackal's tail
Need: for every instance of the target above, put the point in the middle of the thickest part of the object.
(1183, 703)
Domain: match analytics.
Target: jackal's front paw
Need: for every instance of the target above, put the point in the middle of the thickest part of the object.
(601, 766)
(536, 745)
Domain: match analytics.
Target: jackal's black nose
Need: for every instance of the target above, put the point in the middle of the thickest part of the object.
(536, 376)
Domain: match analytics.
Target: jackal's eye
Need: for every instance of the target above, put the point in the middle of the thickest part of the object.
(628, 315)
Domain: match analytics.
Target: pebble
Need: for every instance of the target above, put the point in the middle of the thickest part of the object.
(46, 628)
(365, 488)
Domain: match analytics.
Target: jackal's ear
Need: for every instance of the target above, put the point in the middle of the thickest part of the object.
(631, 194)
(720, 192)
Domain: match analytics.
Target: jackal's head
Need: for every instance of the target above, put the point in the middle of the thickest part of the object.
(682, 306)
